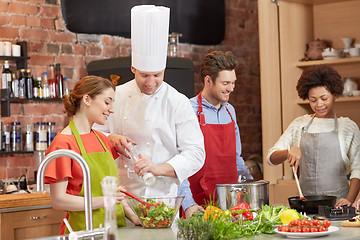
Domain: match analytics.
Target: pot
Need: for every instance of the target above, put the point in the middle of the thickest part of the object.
(255, 193)
(311, 204)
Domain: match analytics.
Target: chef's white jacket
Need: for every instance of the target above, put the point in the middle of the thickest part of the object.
(166, 130)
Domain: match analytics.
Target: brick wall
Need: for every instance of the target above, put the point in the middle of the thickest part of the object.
(40, 23)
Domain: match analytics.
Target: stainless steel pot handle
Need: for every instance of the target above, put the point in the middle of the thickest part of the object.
(238, 189)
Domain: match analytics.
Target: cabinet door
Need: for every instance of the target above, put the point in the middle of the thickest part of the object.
(30, 224)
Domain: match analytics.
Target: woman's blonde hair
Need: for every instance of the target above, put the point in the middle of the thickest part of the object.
(89, 85)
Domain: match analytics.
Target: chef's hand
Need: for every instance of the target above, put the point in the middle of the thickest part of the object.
(120, 142)
(144, 165)
(129, 213)
(356, 204)
(194, 208)
(342, 201)
(294, 156)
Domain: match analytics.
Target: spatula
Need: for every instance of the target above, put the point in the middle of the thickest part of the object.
(297, 181)
(137, 199)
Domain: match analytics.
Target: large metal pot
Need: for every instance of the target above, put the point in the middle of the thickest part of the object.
(255, 193)
(311, 204)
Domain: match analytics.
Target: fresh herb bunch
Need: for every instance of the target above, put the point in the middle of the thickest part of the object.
(198, 228)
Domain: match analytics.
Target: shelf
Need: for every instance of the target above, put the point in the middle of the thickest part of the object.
(21, 62)
(16, 152)
(315, 2)
(338, 61)
(340, 99)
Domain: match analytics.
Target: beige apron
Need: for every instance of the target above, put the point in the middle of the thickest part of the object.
(322, 169)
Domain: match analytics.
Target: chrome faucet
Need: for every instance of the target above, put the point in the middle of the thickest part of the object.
(87, 179)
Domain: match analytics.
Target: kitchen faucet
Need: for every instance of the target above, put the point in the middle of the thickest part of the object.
(87, 179)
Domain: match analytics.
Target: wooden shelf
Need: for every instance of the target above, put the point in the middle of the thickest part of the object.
(315, 2)
(338, 61)
(340, 99)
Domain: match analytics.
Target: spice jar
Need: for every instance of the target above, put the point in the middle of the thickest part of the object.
(41, 139)
(6, 138)
(51, 133)
(15, 137)
(29, 137)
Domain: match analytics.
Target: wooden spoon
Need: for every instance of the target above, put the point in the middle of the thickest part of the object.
(137, 199)
(298, 184)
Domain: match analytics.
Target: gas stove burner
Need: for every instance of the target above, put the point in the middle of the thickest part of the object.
(333, 214)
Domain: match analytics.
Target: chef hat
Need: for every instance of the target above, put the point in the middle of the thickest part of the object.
(149, 37)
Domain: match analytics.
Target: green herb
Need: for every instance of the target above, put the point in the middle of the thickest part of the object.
(221, 227)
(272, 213)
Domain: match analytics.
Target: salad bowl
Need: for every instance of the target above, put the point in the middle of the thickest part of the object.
(160, 213)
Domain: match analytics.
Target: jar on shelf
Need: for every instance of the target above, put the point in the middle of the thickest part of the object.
(51, 133)
(6, 138)
(350, 84)
(29, 137)
(40, 136)
(15, 137)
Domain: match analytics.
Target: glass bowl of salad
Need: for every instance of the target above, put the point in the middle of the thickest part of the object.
(159, 212)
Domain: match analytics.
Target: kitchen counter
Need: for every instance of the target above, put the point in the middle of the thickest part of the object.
(24, 201)
(138, 232)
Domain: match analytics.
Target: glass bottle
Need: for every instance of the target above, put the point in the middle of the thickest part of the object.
(6, 138)
(29, 137)
(29, 84)
(51, 133)
(59, 78)
(66, 86)
(52, 82)
(35, 88)
(15, 86)
(15, 137)
(40, 136)
(40, 88)
(22, 79)
(6, 78)
(45, 83)
(109, 185)
(148, 178)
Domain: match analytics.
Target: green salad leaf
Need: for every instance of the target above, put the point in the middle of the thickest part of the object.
(272, 213)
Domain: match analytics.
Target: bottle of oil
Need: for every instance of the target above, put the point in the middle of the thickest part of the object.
(7, 78)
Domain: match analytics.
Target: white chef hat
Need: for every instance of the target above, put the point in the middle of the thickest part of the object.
(149, 37)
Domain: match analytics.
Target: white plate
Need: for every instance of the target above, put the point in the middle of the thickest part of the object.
(307, 235)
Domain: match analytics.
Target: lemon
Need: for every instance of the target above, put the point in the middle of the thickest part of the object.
(288, 215)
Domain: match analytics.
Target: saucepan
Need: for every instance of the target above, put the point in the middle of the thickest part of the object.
(311, 204)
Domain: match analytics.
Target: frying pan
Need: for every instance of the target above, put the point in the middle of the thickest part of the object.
(310, 205)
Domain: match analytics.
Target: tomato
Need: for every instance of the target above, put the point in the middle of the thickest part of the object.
(326, 223)
(323, 229)
(304, 222)
(315, 223)
(248, 215)
(305, 229)
(280, 227)
(285, 229)
(294, 223)
(298, 230)
(314, 229)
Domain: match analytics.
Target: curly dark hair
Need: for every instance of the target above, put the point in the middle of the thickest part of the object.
(317, 76)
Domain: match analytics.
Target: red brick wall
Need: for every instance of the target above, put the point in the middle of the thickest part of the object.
(40, 23)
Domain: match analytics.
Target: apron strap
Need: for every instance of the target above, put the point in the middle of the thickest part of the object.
(78, 138)
(304, 129)
(200, 114)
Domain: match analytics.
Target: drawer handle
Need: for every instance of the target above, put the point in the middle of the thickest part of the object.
(38, 217)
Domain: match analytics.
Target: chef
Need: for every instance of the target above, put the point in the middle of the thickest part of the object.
(154, 115)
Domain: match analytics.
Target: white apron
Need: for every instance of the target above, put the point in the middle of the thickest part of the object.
(322, 169)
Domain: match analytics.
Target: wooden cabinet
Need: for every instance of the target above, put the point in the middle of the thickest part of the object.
(285, 26)
(30, 224)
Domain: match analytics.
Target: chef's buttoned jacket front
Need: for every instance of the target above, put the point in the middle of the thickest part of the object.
(166, 130)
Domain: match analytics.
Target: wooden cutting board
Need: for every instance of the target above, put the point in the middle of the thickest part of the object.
(24, 199)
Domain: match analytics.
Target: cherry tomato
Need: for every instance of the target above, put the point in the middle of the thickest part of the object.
(304, 222)
(280, 227)
(323, 229)
(305, 229)
(298, 230)
(285, 229)
(326, 223)
(315, 223)
(314, 229)
(294, 223)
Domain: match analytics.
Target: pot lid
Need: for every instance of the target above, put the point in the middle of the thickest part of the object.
(249, 182)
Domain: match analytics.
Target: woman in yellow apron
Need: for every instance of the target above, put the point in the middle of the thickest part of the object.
(90, 102)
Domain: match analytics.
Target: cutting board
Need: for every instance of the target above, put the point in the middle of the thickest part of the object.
(24, 199)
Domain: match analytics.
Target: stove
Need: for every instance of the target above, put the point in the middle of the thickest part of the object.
(334, 214)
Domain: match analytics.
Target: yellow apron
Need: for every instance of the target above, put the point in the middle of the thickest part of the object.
(101, 164)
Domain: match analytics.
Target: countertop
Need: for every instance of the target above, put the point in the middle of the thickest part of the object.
(24, 201)
(138, 232)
